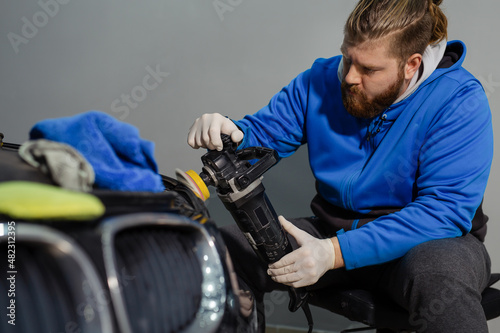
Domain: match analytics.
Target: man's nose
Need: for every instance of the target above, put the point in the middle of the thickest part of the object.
(352, 77)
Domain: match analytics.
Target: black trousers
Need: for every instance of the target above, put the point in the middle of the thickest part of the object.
(439, 282)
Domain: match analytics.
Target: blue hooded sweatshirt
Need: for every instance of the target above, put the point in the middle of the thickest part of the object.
(425, 160)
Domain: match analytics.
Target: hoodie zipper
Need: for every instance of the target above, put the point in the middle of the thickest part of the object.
(377, 127)
(348, 190)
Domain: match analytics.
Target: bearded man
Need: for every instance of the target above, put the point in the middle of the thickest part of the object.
(400, 143)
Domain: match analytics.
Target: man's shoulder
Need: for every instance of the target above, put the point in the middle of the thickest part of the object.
(327, 63)
(325, 70)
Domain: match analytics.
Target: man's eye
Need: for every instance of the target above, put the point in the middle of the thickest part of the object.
(368, 71)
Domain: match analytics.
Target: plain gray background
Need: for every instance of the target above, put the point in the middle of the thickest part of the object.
(229, 56)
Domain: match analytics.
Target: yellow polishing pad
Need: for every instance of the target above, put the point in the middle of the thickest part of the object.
(192, 180)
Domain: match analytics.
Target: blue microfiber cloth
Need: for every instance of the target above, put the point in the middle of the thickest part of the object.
(120, 158)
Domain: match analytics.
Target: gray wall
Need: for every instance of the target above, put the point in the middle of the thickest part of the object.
(229, 56)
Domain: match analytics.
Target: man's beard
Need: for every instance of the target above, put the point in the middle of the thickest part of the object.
(359, 106)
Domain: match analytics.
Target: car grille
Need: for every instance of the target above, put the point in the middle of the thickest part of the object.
(54, 285)
(161, 278)
(134, 273)
(164, 274)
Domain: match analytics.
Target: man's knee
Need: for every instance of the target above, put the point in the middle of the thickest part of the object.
(463, 258)
(437, 301)
(444, 280)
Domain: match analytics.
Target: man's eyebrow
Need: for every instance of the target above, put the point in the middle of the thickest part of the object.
(366, 66)
(371, 67)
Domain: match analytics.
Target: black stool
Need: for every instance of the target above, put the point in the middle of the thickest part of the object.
(380, 313)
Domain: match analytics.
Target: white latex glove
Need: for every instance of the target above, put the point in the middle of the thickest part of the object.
(305, 265)
(206, 130)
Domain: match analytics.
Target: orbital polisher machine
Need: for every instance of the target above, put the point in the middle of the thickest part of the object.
(239, 186)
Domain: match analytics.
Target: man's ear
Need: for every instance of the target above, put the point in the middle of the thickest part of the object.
(412, 65)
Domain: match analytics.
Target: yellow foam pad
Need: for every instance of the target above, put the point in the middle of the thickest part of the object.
(30, 200)
(199, 182)
(194, 182)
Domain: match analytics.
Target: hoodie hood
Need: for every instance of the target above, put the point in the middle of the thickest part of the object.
(430, 60)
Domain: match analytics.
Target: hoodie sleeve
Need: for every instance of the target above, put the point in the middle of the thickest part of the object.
(280, 124)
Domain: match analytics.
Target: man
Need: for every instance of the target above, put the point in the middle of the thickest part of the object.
(400, 143)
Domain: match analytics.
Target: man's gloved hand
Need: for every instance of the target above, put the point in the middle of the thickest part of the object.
(305, 265)
(206, 131)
